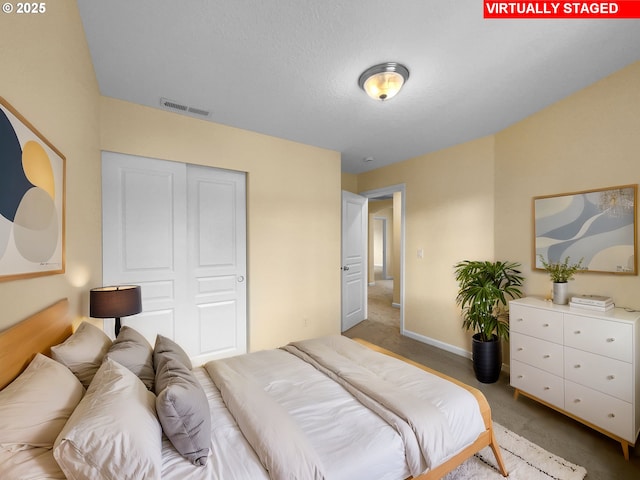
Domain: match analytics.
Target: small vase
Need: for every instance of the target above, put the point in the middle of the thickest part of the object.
(560, 293)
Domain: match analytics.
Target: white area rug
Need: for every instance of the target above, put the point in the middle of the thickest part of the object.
(524, 461)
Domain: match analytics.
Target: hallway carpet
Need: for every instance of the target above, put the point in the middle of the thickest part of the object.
(379, 308)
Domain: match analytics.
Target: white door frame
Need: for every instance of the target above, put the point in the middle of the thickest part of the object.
(379, 192)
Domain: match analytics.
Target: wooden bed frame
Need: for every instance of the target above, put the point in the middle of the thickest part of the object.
(36, 334)
(51, 326)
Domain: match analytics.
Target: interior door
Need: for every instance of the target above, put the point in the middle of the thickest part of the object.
(178, 231)
(354, 259)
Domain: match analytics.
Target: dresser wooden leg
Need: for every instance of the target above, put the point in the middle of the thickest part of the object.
(516, 392)
(625, 450)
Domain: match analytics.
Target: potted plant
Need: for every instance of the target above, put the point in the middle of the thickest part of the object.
(485, 289)
(560, 273)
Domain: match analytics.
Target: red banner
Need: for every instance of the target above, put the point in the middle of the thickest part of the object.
(562, 9)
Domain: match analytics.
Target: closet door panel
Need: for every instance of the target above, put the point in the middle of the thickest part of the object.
(217, 261)
(144, 238)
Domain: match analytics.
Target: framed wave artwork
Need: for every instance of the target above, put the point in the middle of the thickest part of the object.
(32, 200)
(597, 226)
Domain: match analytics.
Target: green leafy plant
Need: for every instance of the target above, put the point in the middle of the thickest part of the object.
(483, 294)
(561, 272)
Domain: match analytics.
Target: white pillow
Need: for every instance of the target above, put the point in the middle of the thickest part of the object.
(83, 352)
(113, 432)
(36, 405)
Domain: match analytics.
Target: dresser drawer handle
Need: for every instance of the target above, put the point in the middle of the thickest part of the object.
(611, 377)
(546, 356)
(547, 388)
(576, 400)
(520, 376)
(520, 349)
(577, 366)
(611, 340)
(519, 319)
(612, 415)
(545, 325)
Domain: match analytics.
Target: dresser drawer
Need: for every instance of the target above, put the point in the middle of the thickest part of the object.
(604, 374)
(603, 337)
(538, 383)
(536, 322)
(604, 411)
(542, 354)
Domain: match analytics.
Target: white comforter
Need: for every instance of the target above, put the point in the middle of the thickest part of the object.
(303, 425)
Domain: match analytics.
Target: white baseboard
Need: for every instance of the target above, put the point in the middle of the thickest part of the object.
(445, 346)
(437, 343)
(395, 305)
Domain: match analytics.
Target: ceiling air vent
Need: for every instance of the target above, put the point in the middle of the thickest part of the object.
(178, 107)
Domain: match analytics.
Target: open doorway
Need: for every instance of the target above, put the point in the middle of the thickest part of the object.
(385, 291)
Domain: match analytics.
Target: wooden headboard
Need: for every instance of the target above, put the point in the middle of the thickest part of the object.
(36, 334)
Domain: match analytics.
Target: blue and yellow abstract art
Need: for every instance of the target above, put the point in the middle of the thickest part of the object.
(31, 200)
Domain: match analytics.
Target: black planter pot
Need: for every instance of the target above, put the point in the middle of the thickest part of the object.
(487, 359)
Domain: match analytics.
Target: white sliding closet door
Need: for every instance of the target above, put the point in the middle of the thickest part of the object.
(178, 231)
(216, 283)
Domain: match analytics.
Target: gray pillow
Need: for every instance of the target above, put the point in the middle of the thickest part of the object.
(83, 352)
(166, 348)
(183, 411)
(133, 351)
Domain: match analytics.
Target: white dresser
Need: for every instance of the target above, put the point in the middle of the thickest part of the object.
(580, 362)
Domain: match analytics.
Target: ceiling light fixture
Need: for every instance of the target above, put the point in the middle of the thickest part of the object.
(384, 81)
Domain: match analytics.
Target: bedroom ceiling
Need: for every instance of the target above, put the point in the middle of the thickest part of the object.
(289, 68)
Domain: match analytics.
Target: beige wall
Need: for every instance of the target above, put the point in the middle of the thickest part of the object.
(450, 214)
(350, 182)
(48, 77)
(588, 140)
(473, 201)
(293, 203)
(293, 189)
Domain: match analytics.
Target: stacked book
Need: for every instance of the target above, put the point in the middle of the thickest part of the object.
(592, 302)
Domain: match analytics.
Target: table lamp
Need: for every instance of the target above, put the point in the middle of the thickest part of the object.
(115, 302)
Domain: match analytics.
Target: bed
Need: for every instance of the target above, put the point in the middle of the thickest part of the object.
(322, 408)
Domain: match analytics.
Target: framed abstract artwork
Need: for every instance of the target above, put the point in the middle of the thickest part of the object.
(597, 226)
(32, 200)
